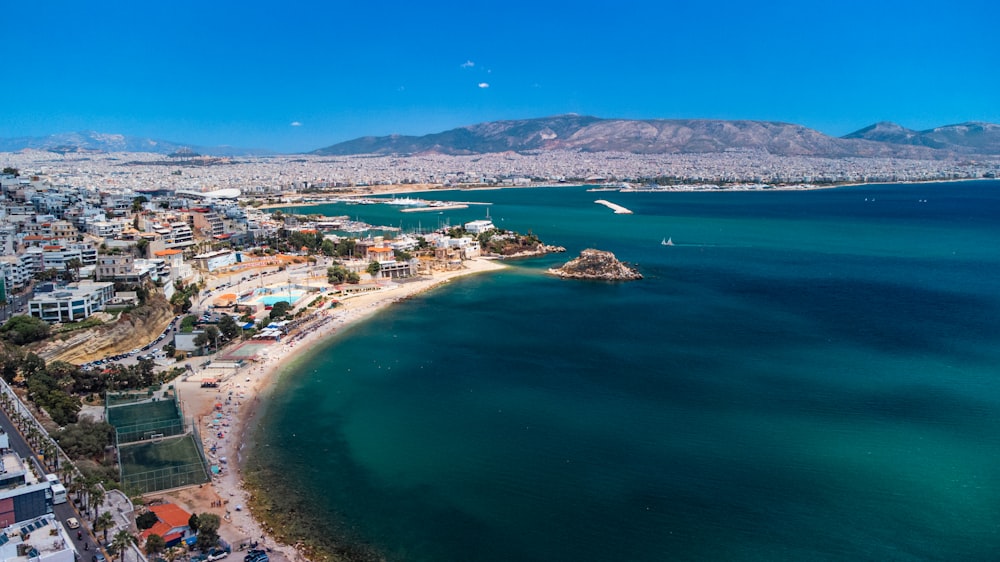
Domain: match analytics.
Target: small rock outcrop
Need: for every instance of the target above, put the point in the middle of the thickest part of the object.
(597, 264)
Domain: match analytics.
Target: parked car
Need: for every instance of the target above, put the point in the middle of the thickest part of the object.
(216, 554)
(72, 523)
(256, 556)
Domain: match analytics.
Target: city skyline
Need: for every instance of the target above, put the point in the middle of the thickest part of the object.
(311, 76)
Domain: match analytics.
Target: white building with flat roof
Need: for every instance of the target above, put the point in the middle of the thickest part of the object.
(214, 260)
(480, 226)
(72, 303)
(42, 539)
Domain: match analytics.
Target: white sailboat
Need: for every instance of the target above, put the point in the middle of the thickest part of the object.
(667, 242)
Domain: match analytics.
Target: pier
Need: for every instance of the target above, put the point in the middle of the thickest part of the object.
(618, 209)
(435, 208)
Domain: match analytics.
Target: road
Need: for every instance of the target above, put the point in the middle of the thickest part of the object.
(62, 511)
(17, 305)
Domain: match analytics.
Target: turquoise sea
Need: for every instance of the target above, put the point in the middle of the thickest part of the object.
(804, 376)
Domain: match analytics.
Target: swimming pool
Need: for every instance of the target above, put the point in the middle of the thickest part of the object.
(270, 297)
(271, 300)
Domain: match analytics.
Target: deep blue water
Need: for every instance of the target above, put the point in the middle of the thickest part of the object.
(805, 375)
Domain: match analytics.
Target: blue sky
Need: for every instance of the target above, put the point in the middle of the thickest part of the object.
(295, 76)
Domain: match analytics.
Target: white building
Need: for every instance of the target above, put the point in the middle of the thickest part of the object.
(71, 304)
(178, 235)
(46, 541)
(24, 495)
(214, 260)
(105, 229)
(14, 272)
(480, 226)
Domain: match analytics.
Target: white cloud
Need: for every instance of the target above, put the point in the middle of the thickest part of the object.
(468, 64)
(484, 85)
(295, 124)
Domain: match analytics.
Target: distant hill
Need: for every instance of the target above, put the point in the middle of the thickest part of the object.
(92, 141)
(673, 136)
(594, 134)
(972, 138)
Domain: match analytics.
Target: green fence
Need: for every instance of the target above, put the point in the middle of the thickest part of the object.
(162, 464)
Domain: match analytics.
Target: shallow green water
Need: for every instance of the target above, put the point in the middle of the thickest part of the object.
(805, 375)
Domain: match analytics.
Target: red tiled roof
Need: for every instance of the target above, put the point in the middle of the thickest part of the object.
(172, 537)
(171, 514)
(160, 528)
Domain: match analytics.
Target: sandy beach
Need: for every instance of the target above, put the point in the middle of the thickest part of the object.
(233, 404)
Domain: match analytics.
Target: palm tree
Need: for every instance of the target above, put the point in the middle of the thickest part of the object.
(77, 486)
(96, 498)
(67, 472)
(103, 523)
(49, 453)
(122, 541)
(74, 264)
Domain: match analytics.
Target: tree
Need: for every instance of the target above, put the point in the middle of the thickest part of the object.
(229, 328)
(212, 333)
(346, 247)
(193, 522)
(85, 439)
(208, 530)
(155, 544)
(201, 340)
(122, 541)
(146, 520)
(21, 330)
(103, 523)
(74, 265)
(96, 498)
(8, 171)
(336, 274)
(10, 362)
(31, 365)
(280, 309)
(374, 268)
(328, 248)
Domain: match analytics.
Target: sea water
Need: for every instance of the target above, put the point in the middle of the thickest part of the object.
(804, 375)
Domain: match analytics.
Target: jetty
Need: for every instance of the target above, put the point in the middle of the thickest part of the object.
(434, 208)
(618, 209)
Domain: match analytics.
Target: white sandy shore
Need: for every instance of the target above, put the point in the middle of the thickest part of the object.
(240, 396)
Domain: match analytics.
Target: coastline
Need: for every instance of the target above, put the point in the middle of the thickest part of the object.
(422, 189)
(243, 396)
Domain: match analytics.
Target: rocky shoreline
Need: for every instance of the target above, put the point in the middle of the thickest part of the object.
(540, 250)
(596, 264)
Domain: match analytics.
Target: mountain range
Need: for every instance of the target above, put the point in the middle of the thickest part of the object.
(594, 134)
(92, 141)
(674, 136)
